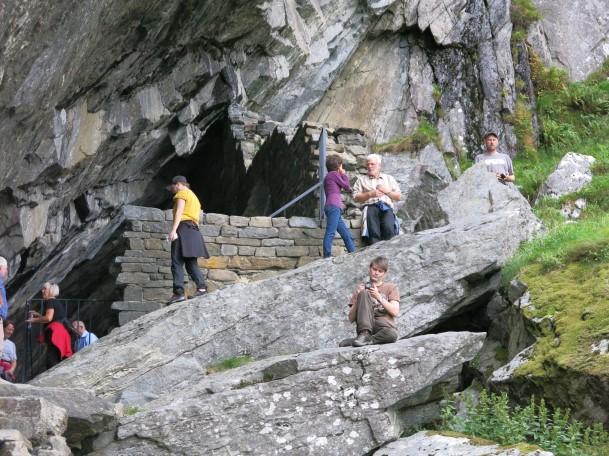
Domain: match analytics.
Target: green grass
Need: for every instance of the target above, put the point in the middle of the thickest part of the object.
(573, 117)
(425, 134)
(523, 13)
(229, 363)
(493, 418)
(132, 410)
(555, 250)
(576, 298)
(567, 269)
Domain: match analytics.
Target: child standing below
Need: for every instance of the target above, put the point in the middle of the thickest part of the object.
(335, 180)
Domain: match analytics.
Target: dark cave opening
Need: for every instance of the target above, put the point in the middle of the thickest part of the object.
(215, 170)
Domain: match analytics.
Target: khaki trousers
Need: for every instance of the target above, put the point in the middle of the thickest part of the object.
(381, 332)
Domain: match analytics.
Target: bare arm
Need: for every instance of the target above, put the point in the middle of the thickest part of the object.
(392, 307)
(46, 318)
(180, 203)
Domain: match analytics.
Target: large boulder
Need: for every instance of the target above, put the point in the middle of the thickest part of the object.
(475, 194)
(331, 402)
(86, 415)
(478, 193)
(431, 444)
(572, 174)
(440, 272)
(35, 422)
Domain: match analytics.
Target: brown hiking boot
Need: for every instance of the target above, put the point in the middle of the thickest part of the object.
(362, 339)
(347, 342)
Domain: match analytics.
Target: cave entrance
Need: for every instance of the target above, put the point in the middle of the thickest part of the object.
(215, 170)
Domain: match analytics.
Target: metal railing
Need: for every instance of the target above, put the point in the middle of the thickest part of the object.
(34, 350)
(323, 144)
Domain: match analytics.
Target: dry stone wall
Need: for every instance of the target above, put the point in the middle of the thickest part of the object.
(242, 249)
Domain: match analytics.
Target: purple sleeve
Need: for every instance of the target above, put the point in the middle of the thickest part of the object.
(343, 182)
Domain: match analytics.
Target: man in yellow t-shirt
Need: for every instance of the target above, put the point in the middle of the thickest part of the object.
(186, 239)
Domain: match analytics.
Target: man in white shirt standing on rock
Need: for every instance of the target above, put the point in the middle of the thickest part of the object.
(377, 192)
(496, 162)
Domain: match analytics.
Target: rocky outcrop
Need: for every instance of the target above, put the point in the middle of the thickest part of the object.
(83, 415)
(399, 78)
(101, 106)
(441, 273)
(425, 443)
(572, 35)
(332, 402)
(572, 174)
(476, 193)
(35, 423)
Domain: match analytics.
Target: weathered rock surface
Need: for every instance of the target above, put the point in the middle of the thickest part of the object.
(331, 402)
(476, 193)
(418, 175)
(572, 174)
(572, 35)
(86, 414)
(14, 443)
(38, 423)
(428, 444)
(395, 73)
(98, 107)
(440, 272)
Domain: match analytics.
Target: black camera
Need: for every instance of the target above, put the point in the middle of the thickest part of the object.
(368, 286)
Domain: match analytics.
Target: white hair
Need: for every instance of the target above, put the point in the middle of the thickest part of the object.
(3, 262)
(53, 289)
(374, 157)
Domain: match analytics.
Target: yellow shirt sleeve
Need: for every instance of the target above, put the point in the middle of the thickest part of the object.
(192, 207)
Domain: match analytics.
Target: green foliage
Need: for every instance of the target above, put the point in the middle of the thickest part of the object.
(522, 120)
(524, 13)
(132, 410)
(436, 93)
(546, 79)
(556, 249)
(425, 134)
(572, 116)
(465, 162)
(602, 74)
(229, 363)
(493, 418)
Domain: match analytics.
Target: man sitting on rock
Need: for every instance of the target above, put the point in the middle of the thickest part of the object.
(84, 337)
(496, 162)
(374, 307)
(377, 191)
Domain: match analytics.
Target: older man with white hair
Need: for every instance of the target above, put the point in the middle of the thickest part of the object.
(377, 192)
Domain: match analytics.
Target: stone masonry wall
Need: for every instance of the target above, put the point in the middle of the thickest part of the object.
(241, 248)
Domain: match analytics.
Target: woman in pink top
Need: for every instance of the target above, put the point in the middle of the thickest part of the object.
(335, 181)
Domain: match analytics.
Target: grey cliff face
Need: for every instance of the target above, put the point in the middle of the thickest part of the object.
(98, 107)
(572, 35)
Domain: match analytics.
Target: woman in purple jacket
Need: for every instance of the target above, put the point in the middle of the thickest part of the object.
(335, 180)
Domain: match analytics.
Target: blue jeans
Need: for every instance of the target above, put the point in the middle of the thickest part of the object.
(336, 223)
